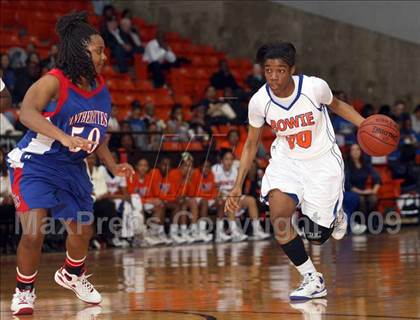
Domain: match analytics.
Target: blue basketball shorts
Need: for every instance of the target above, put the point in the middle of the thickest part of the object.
(40, 182)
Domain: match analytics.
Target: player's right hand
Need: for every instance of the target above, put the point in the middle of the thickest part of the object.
(232, 200)
(76, 144)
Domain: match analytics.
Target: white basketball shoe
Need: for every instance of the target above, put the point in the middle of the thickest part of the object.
(23, 302)
(340, 226)
(80, 285)
(312, 286)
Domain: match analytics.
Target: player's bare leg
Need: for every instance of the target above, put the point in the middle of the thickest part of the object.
(174, 231)
(282, 207)
(220, 235)
(159, 214)
(28, 257)
(203, 211)
(72, 275)
(249, 203)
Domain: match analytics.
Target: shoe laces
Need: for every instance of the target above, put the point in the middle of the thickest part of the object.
(25, 296)
(86, 285)
(306, 279)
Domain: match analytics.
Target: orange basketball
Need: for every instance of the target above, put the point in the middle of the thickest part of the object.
(378, 135)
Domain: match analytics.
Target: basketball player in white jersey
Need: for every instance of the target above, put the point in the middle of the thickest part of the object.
(225, 174)
(306, 167)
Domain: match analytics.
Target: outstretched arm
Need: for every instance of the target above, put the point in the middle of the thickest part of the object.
(247, 157)
(346, 111)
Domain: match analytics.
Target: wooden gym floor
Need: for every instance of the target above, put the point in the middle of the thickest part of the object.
(368, 277)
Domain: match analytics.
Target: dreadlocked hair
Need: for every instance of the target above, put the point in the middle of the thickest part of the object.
(74, 59)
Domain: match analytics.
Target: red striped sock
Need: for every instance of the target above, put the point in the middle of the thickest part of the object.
(25, 282)
(73, 266)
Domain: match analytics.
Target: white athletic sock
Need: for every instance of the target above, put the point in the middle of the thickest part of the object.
(183, 227)
(233, 226)
(202, 224)
(174, 228)
(194, 227)
(256, 225)
(306, 267)
(161, 230)
(219, 225)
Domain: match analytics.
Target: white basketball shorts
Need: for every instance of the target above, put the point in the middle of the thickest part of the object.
(317, 184)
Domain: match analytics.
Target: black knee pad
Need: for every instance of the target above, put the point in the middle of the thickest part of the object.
(314, 233)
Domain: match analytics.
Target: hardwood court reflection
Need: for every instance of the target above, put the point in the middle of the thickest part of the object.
(373, 277)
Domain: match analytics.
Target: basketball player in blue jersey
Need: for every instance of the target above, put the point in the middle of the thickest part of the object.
(67, 113)
(306, 166)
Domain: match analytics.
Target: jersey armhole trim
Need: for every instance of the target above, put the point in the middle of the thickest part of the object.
(62, 92)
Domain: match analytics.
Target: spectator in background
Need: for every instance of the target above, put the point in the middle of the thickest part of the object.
(113, 124)
(17, 58)
(160, 58)
(103, 207)
(31, 48)
(128, 208)
(225, 174)
(149, 116)
(256, 79)
(184, 191)
(223, 78)
(130, 36)
(385, 110)
(127, 14)
(405, 168)
(407, 134)
(218, 110)
(358, 171)
(6, 127)
(205, 196)
(233, 143)
(367, 110)
(99, 5)
(108, 13)
(415, 119)
(146, 187)
(128, 145)
(154, 138)
(120, 50)
(199, 128)
(7, 73)
(137, 124)
(344, 129)
(398, 110)
(234, 101)
(26, 77)
(176, 126)
(51, 61)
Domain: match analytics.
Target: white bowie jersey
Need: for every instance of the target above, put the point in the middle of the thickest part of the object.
(225, 180)
(300, 121)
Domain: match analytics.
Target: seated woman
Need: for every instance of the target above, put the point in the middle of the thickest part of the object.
(147, 189)
(358, 171)
(225, 175)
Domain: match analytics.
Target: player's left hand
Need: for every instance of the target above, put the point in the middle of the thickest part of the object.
(123, 170)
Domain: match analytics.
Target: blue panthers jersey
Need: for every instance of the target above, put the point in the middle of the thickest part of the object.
(78, 113)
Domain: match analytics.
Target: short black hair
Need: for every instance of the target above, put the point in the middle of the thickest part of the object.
(74, 59)
(225, 151)
(277, 50)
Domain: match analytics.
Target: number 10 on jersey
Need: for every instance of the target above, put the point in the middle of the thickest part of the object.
(303, 139)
